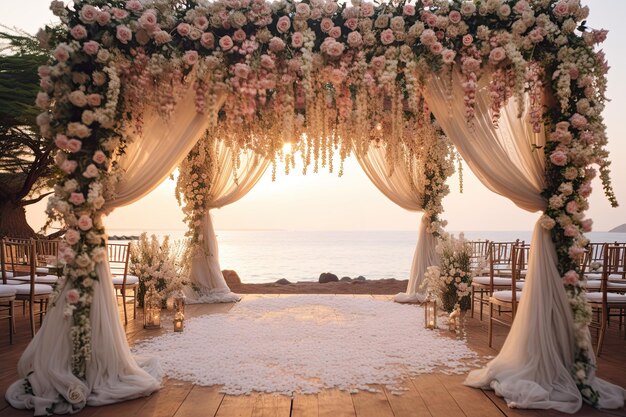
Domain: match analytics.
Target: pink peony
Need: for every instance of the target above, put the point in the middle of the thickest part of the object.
(77, 199)
(91, 47)
(367, 9)
(335, 49)
(558, 158)
(387, 37)
(74, 145)
(428, 37)
(561, 9)
(61, 141)
(201, 22)
(148, 20)
(226, 43)
(303, 10)
(207, 40)
(61, 53)
(408, 10)
(99, 157)
(84, 222)
(94, 100)
(355, 39)
(190, 58)
(436, 48)
(297, 39)
(326, 25)
(119, 14)
(454, 16)
(335, 32)
(467, 40)
(78, 32)
(571, 277)
(578, 121)
(88, 14)
(283, 24)
(239, 36)
(267, 62)
(72, 236)
(497, 55)
(103, 18)
(183, 29)
(572, 207)
(124, 34)
(447, 55)
(72, 296)
(276, 44)
(68, 166)
(351, 24)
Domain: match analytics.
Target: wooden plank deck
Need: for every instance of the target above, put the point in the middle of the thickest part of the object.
(432, 395)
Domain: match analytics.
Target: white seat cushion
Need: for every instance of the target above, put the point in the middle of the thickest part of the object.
(40, 289)
(506, 295)
(520, 284)
(42, 270)
(9, 274)
(130, 280)
(13, 282)
(7, 290)
(41, 279)
(612, 298)
(593, 276)
(596, 285)
(502, 282)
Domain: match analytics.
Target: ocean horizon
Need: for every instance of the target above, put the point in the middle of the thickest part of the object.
(261, 256)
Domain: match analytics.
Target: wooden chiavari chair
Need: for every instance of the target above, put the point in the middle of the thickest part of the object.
(119, 255)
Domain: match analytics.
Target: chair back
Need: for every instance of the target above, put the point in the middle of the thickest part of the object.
(614, 260)
(480, 254)
(519, 262)
(20, 257)
(47, 251)
(500, 257)
(119, 254)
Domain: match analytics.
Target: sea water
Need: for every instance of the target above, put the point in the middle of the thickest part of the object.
(269, 255)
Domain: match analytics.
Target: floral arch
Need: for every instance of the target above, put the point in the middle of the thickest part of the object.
(516, 86)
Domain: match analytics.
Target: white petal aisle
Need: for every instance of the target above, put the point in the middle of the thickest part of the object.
(306, 343)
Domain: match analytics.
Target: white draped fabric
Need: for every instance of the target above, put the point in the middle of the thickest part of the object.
(231, 180)
(112, 374)
(533, 368)
(402, 187)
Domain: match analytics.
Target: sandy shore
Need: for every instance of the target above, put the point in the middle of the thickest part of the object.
(381, 286)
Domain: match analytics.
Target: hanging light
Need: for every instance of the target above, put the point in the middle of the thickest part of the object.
(152, 309)
(179, 312)
(430, 313)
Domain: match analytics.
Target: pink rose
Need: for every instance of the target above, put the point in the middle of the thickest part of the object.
(330, 7)
(42, 100)
(447, 55)
(497, 55)
(78, 32)
(558, 158)
(578, 121)
(454, 16)
(99, 157)
(283, 24)
(183, 29)
(570, 278)
(572, 207)
(148, 20)
(536, 35)
(119, 14)
(267, 62)
(561, 9)
(326, 25)
(201, 22)
(428, 37)
(335, 32)
(44, 71)
(277, 44)
(72, 296)
(562, 126)
(88, 14)
(239, 36)
(61, 141)
(190, 58)
(134, 5)
(77, 199)
(69, 166)
(91, 171)
(467, 40)
(431, 20)
(367, 10)
(72, 236)
(84, 222)
(91, 47)
(335, 49)
(207, 40)
(77, 98)
(436, 48)
(297, 39)
(351, 24)
(575, 252)
(588, 138)
(303, 10)
(94, 100)
(226, 43)
(124, 34)
(242, 70)
(74, 145)
(61, 53)
(587, 225)
(355, 39)
(103, 18)
(570, 230)
(504, 11)
(387, 37)
(378, 62)
(408, 10)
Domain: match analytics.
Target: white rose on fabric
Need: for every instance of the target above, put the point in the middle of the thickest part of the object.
(76, 394)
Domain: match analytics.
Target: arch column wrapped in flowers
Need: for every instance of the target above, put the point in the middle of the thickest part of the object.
(333, 77)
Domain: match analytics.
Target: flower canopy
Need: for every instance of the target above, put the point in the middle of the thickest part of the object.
(328, 78)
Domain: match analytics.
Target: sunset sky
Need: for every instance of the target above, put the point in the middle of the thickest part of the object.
(325, 202)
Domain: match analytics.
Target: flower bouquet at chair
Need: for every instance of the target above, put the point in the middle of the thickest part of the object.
(156, 263)
(451, 282)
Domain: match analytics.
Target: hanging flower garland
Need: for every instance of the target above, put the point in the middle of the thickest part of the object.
(334, 76)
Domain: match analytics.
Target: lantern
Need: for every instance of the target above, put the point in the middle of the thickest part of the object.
(430, 313)
(152, 309)
(179, 312)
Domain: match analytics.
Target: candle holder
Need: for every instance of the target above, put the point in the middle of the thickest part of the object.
(179, 312)
(430, 313)
(152, 309)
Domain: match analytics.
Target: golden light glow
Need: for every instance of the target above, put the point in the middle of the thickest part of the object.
(287, 148)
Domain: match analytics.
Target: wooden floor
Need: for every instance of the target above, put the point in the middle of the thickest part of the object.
(432, 395)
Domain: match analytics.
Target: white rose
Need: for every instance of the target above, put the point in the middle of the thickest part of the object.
(76, 394)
